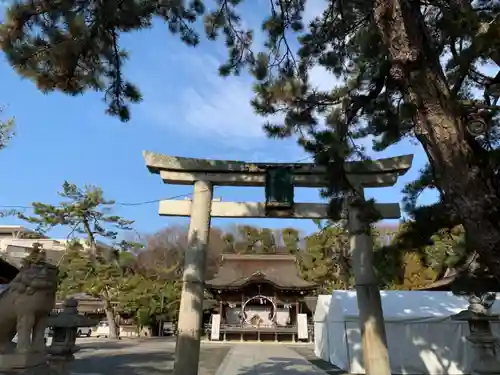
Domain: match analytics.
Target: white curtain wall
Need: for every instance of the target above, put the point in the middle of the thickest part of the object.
(421, 336)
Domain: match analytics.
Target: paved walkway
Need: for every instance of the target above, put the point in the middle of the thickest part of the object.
(156, 357)
(139, 357)
(266, 359)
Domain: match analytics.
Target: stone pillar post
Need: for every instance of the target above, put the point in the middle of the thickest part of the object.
(189, 326)
(371, 319)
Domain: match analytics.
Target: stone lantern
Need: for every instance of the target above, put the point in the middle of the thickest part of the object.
(65, 326)
(484, 361)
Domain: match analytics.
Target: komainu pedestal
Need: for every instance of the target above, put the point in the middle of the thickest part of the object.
(24, 364)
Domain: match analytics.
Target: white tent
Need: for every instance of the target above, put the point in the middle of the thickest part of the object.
(422, 338)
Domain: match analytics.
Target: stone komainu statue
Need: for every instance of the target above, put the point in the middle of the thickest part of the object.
(26, 304)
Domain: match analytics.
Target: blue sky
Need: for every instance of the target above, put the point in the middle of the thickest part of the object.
(187, 111)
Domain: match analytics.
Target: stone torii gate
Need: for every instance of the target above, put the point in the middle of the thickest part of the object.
(279, 180)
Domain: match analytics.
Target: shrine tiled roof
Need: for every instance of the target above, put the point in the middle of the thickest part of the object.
(238, 270)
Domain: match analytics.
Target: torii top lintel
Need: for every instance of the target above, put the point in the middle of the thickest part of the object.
(185, 171)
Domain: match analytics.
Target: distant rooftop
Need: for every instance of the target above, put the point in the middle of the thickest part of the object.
(31, 234)
(238, 270)
(17, 228)
(12, 228)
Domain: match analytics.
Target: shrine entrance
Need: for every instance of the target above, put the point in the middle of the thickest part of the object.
(261, 297)
(258, 311)
(279, 181)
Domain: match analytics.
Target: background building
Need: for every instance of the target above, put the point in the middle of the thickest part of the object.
(16, 242)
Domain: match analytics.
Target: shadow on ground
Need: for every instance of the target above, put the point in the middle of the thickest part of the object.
(120, 359)
(284, 366)
(308, 354)
(108, 345)
(124, 364)
(94, 344)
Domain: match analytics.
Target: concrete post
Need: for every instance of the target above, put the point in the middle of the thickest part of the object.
(371, 319)
(189, 328)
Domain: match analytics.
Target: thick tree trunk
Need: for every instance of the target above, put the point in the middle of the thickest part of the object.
(110, 317)
(91, 240)
(462, 173)
(108, 307)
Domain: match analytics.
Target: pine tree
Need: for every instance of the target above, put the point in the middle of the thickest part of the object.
(387, 57)
(149, 296)
(412, 261)
(77, 44)
(6, 130)
(6, 133)
(249, 239)
(86, 211)
(291, 240)
(229, 243)
(267, 242)
(404, 69)
(326, 259)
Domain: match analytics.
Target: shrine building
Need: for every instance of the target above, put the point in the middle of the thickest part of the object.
(261, 297)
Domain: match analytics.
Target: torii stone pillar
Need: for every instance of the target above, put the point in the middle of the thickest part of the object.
(373, 335)
(189, 324)
(204, 174)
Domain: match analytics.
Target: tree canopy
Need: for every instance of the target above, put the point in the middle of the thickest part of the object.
(323, 256)
(95, 271)
(141, 276)
(6, 130)
(84, 210)
(144, 281)
(422, 69)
